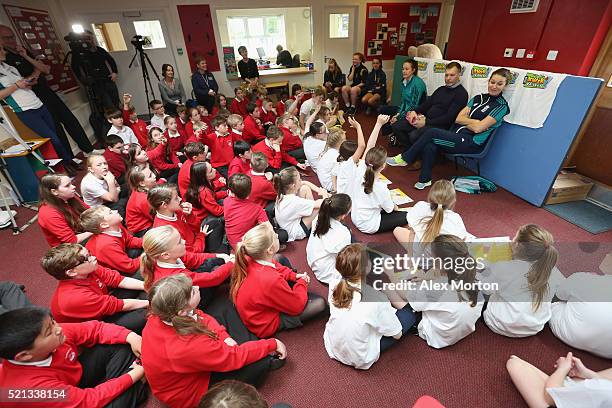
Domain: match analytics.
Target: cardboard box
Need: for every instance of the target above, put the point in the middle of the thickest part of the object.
(569, 187)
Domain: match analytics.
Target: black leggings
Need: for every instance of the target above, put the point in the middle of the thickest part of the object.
(216, 232)
(388, 221)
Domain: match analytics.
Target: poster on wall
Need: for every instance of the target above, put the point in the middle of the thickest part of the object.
(199, 35)
(396, 26)
(229, 61)
(35, 31)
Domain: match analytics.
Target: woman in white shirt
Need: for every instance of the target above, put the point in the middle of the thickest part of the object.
(521, 304)
(583, 317)
(314, 143)
(571, 385)
(357, 332)
(449, 313)
(296, 207)
(329, 236)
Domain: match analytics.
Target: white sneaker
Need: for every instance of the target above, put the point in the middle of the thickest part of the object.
(422, 186)
(5, 218)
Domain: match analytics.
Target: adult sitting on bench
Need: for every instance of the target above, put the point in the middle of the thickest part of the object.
(483, 114)
(438, 111)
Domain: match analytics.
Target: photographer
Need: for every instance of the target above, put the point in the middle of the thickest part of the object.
(18, 57)
(95, 67)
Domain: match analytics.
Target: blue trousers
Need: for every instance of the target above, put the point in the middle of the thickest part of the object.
(407, 318)
(433, 140)
(41, 122)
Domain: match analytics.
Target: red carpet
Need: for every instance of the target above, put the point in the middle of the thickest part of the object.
(469, 374)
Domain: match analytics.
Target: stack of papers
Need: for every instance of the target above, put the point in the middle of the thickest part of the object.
(399, 197)
(385, 180)
(493, 249)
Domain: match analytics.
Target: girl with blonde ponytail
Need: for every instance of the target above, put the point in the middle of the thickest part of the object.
(521, 305)
(260, 290)
(186, 350)
(164, 255)
(357, 332)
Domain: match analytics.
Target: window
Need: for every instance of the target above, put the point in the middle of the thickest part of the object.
(109, 36)
(151, 32)
(258, 31)
(524, 6)
(338, 25)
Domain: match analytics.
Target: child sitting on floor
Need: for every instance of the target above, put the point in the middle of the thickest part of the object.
(179, 377)
(174, 137)
(114, 157)
(130, 118)
(314, 143)
(99, 185)
(241, 163)
(221, 145)
(239, 104)
(521, 305)
(195, 152)
(349, 154)
(271, 147)
(292, 137)
(138, 218)
(82, 291)
(295, 205)
(279, 306)
(159, 114)
(262, 190)
(161, 157)
(195, 128)
(236, 125)
(111, 243)
(39, 353)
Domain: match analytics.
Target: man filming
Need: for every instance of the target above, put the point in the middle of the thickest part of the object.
(95, 68)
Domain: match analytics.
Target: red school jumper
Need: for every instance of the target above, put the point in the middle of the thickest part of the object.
(139, 128)
(54, 225)
(111, 250)
(262, 189)
(176, 141)
(64, 370)
(265, 294)
(78, 300)
(221, 148)
(179, 367)
(290, 141)
(157, 158)
(116, 164)
(237, 165)
(193, 261)
(275, 159)
(138, 212)
(239, 107)
(252, 132)
(240, 216)
(194, 242)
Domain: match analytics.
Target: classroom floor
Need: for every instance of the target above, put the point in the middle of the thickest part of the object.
(469, 374)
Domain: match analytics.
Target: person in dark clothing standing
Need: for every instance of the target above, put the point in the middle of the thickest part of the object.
(96, 68)
(284, 57)
(437, 111)
(18, 57)
(248, 69)
(204, 85)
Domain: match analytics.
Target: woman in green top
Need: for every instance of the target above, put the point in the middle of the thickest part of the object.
(414, 93)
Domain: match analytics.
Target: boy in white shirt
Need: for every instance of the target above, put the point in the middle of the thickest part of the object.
(159, 114)
(115, 118)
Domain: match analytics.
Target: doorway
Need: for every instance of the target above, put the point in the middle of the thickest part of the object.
(340, 35)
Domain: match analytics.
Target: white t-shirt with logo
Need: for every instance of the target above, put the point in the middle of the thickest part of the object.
(289, 212)
(366, 209)
(312, 150)
(325, 168)
(321, 251)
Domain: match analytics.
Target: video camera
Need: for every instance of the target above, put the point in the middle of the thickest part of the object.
(138, 41)
(79, 42)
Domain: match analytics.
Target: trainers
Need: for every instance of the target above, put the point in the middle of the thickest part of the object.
(396, 161)
(422, 186)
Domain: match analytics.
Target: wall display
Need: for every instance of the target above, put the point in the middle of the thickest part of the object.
(392, 27)
(229, 61)
(36, 32)
(199, 35)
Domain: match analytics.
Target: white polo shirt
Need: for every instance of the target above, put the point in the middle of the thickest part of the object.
(345, 173)
(365, 213)
(321, 251)
(307, 108)
(159, 121)
(125, 133)
(445, 319)
(22, 99)
(584, 317)
(92, 189)
(325, 168)
(591, 393)
(352, 335)
(312, 150)
(418, 215)
(510, 311)
(289, 212)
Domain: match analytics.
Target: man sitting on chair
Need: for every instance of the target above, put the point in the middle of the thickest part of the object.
(483, 114)
(284, 57)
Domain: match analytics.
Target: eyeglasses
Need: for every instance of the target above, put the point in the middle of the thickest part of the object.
(86, 259)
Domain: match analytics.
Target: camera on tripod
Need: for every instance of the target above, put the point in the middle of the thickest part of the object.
(138, 41)
(79, 42)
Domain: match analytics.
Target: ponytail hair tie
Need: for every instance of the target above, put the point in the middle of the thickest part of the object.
(440, 205)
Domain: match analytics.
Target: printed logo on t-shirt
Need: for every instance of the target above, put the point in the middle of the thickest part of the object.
(484, 108)
(70, 355)
(536, 81)
(422, 65)
(439, 67)
(479, 71)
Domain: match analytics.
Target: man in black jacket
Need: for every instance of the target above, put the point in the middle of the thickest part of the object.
(283, 57)
(439, 110)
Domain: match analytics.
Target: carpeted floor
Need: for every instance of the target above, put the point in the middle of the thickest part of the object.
(469, 374)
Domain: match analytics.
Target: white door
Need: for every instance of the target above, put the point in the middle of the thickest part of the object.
(340, 35)
(131, 80)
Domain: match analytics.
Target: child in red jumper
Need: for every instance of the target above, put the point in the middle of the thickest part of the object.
(176, 138)
(205, 116)
(263, 298)
(195, 127)
(236, 125)
(165, 255)
(40, 354)
(82, 291)
(161, 157)
(262, 191)
(195, 152)
(111, 243)
(220, 143)
(138, 218)
(203, 197)
(271, 147)
(169, 210)
(178, 376)
(239, 104)
(181, 119)
(252, 131)
(292, 137)
(130, 119)
(242, 157)
(268, 113)
(114, 157)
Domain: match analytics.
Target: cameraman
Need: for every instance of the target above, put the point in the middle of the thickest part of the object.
(95, 67)
(18, 57)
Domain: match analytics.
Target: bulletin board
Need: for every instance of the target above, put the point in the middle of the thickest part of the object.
(393, 27)
(35, 31)
(199, 35)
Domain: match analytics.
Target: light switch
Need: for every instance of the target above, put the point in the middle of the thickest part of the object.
(508, 52)
(552, 55)
(520, 53)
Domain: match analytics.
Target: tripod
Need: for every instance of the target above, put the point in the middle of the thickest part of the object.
(144, 59)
